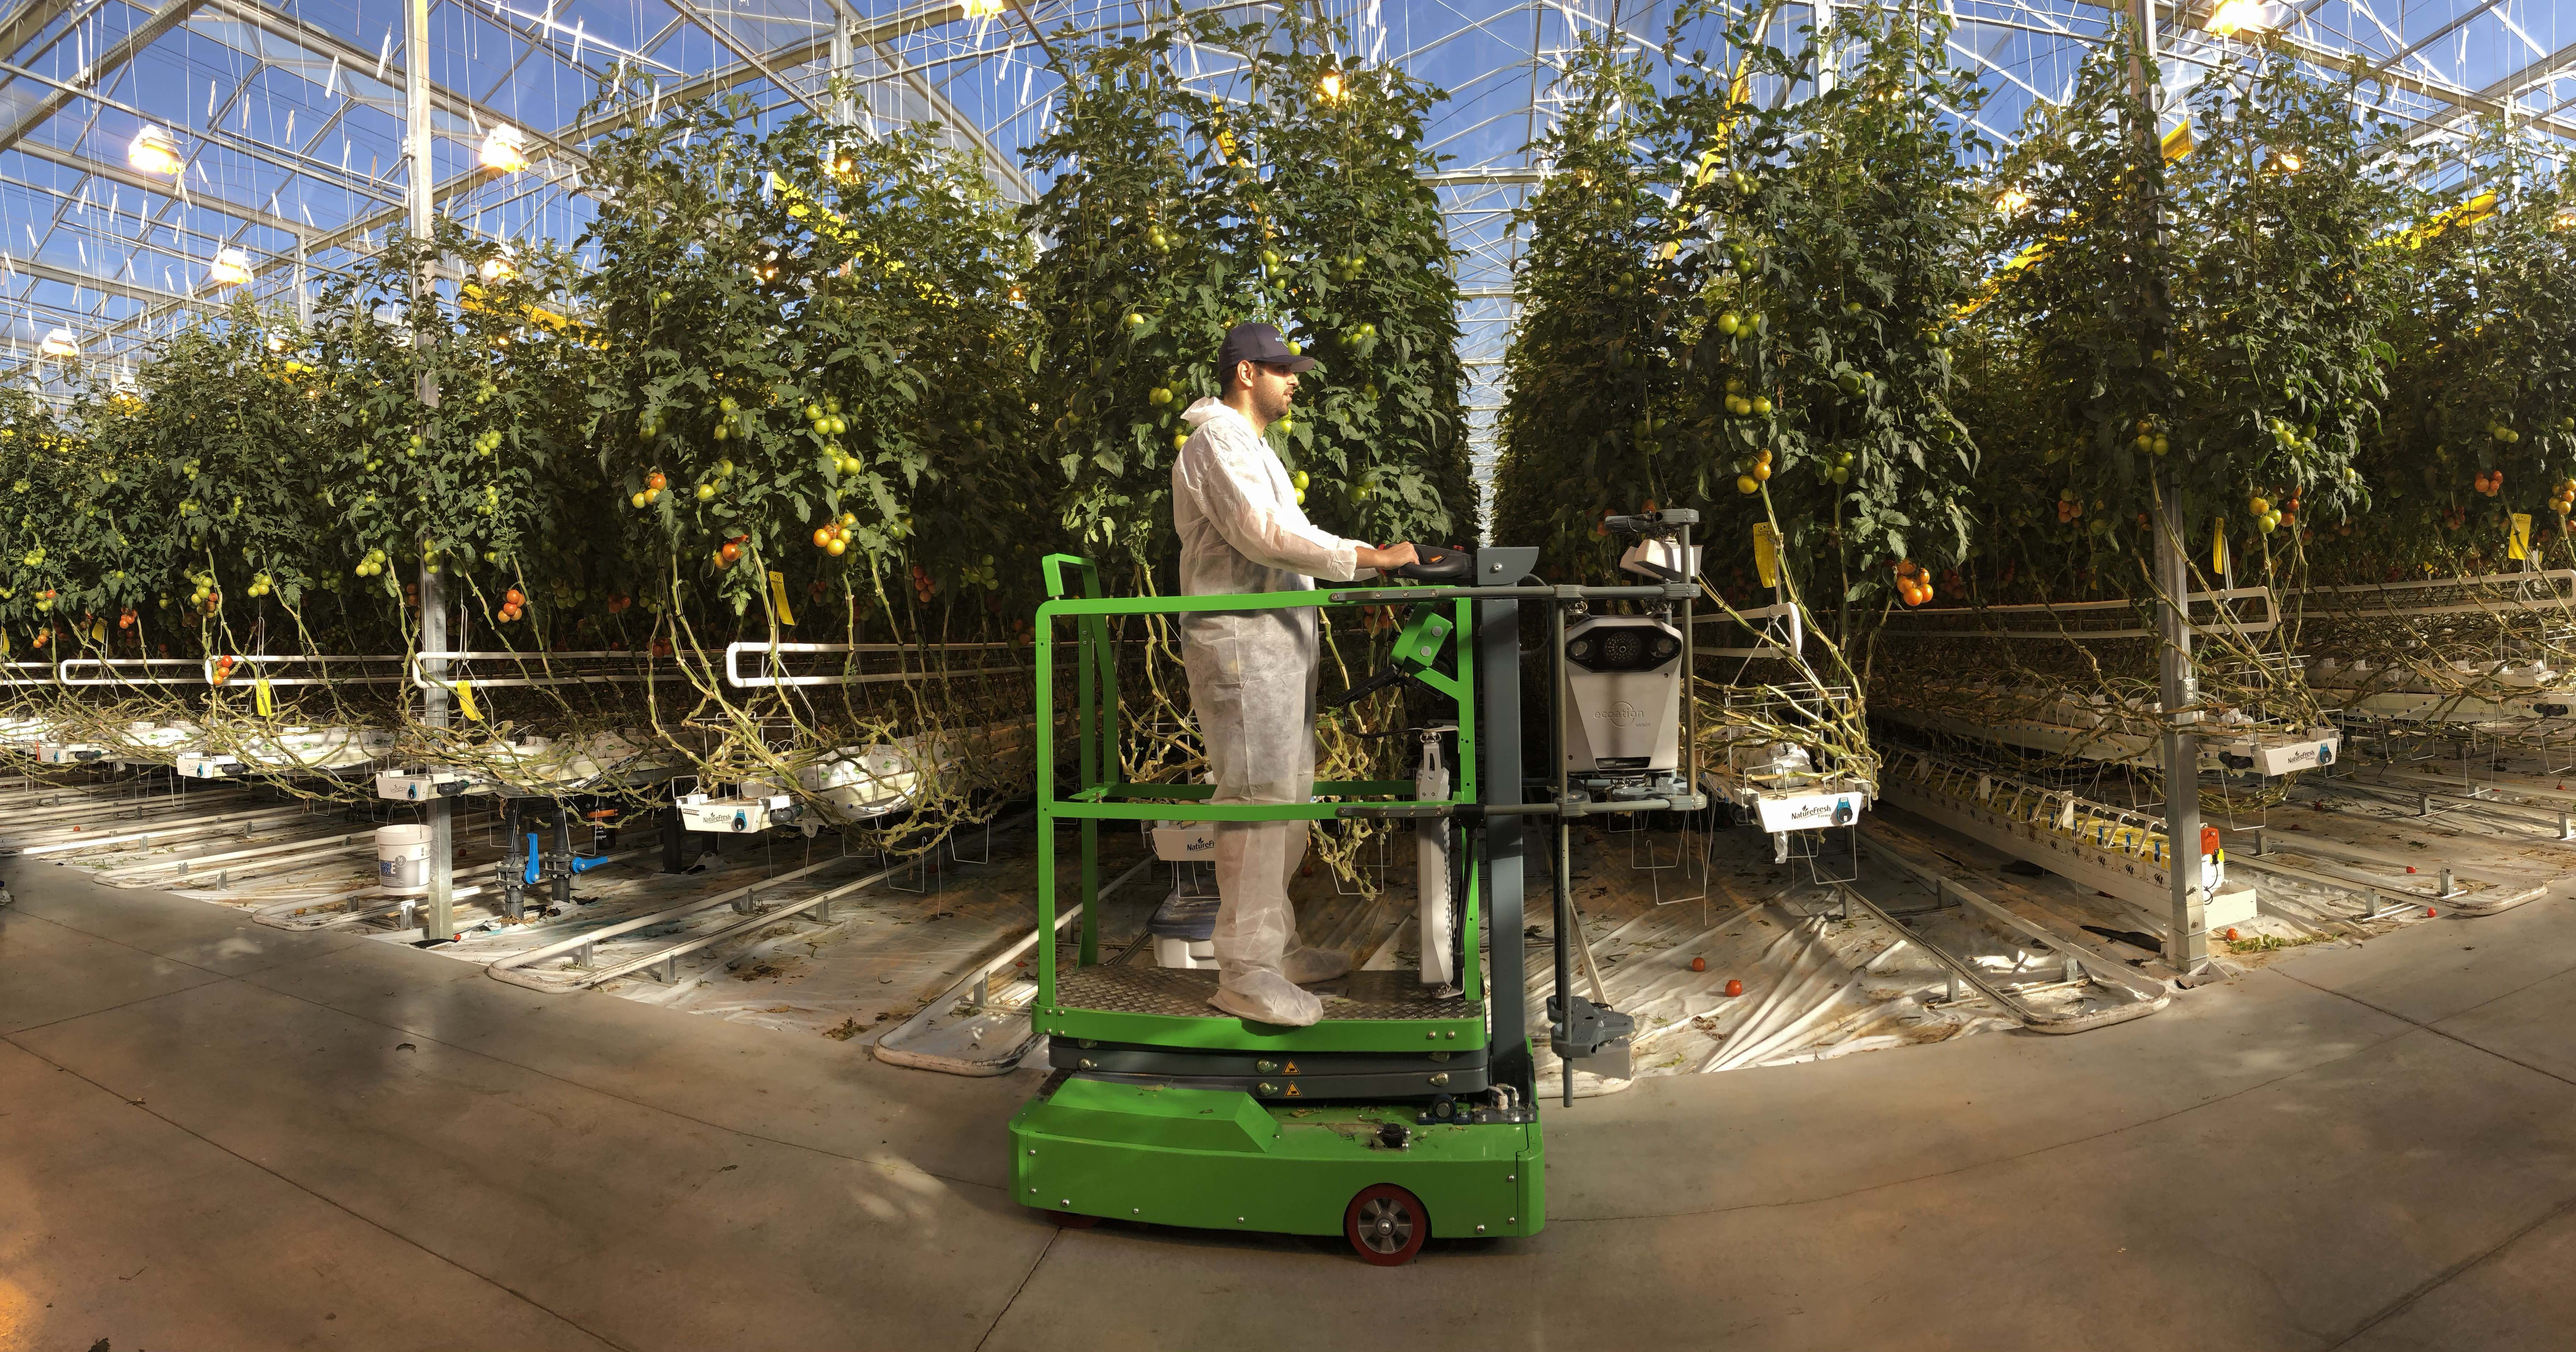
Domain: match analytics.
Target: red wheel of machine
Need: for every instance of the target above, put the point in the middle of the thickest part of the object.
(1386, 1225)
(1073, 1220)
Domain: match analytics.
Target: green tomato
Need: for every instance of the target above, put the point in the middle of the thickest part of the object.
(1298, 480)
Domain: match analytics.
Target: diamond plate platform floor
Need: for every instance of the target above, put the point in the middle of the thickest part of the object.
(1184, 992)
(218, 1135)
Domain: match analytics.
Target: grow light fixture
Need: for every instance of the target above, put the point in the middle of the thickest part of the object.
(2013, 202)
(231, 268)
(982, 9)
(1330, 86)
(2289, 163)
(504, 149)
(497, 268)
(2565, 220)
(153, 152)
(59, 343)
(2237, 16)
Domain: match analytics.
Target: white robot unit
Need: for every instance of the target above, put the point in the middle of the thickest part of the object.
(419, 785)
(1622, 698)
(736, 814)
(2275, 751)
(208, 765)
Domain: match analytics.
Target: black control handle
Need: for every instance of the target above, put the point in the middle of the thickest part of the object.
(1370, 686)
(1438, 563)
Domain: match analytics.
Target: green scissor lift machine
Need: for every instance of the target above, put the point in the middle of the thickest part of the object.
(1409, 1110)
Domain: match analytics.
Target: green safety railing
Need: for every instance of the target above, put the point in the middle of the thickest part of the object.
(1093, 792)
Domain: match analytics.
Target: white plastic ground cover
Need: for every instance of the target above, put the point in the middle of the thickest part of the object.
(1814, 987)
(882, 955)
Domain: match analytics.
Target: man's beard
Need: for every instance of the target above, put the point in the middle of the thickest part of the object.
(1273, 407)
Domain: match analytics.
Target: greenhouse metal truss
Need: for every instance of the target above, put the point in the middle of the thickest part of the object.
(156, 158)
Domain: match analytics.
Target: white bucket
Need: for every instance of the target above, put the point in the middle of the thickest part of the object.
(402, 859)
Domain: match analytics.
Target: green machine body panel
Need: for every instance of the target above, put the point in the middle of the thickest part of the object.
(1223, 1160)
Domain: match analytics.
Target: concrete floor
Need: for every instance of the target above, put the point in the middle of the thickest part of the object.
(218, 1135)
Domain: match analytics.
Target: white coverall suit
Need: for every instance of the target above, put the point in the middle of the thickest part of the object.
(1252, 686)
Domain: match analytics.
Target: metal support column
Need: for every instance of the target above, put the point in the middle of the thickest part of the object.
(1498, 730)
(303, 290)
(1828, 64)
(844, 61)
(437, 917)
(2186, 923)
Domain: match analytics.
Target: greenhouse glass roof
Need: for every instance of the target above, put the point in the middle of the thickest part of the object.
(283, 119)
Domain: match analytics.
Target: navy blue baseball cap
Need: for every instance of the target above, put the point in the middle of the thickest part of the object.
(1257, 343)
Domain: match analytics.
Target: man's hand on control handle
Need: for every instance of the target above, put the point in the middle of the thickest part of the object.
(1388, 559)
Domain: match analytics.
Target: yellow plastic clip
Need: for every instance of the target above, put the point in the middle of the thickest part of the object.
(2218, 545)
(465, 701)
(2521, 546)
(261, 699)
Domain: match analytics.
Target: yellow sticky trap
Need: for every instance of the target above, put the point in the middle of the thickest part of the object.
(261, 699)
(2218, 545)
(2178, 143)
(1766, 553)
(465, 701)
(2520, 548)
(778, 598)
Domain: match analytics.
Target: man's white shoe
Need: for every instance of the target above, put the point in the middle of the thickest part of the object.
(1306, 966)
(1267, 997)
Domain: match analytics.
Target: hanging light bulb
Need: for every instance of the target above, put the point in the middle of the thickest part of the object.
(2237, 16)
(231, 268)
(59, 343)
(504, 149)
(153, 152)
